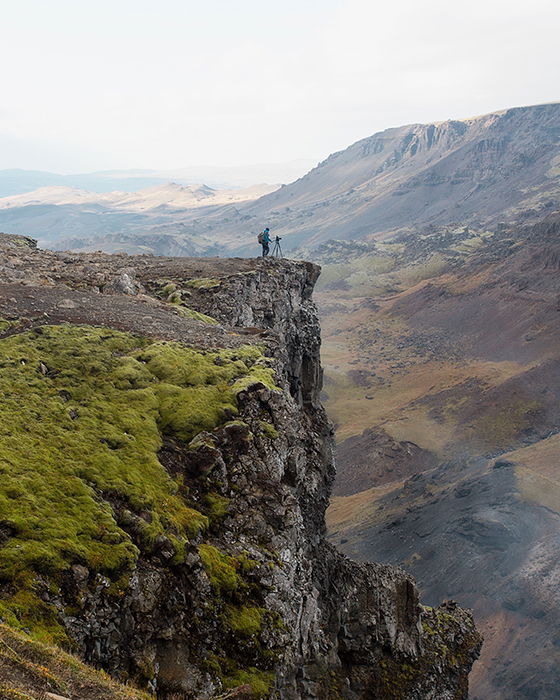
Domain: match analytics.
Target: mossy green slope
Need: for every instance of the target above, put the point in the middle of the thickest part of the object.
(82, 415)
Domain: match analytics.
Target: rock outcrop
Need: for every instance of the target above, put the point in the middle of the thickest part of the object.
(231, 582)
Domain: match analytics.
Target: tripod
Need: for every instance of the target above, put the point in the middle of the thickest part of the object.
(276, 249)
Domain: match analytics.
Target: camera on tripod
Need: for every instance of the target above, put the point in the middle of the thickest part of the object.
(276, 249)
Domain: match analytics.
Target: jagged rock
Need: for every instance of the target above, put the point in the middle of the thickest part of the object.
(123, 283)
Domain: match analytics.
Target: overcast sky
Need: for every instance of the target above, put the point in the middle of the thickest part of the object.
(99, 84)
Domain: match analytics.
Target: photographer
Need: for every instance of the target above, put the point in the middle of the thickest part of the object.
(264, 240)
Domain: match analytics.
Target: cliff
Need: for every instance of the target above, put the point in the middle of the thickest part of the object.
(166, 469)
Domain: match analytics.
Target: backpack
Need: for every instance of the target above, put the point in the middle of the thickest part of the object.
(260, 237)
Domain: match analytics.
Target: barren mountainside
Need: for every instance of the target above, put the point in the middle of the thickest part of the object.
(503, 166)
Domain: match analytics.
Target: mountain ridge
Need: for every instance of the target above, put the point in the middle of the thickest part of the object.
(480, 171)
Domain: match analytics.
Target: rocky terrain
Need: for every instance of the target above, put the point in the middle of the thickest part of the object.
(501, 167)
(442, 368)
(166, 465)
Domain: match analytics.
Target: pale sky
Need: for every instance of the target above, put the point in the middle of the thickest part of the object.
(89, 85)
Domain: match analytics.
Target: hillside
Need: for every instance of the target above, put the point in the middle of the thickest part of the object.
(442, 364)
(503, 166)
(166, 466)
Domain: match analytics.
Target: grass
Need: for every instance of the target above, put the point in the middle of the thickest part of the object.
(501, 426)
(413, 274)
(28, 669)
(365, 275)
(203, 283)
(537, 472)
(81, 423)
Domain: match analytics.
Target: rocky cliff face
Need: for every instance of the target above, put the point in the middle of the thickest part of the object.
(229, 583)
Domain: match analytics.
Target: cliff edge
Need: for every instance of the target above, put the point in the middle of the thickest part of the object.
(166, 466)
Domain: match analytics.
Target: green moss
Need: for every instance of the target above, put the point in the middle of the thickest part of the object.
(168, 288)
(217, 506)
(186, 411)
(191, 313)
(245, 563)
(175, 364)
(25, 610)
(245, 620)
(198, 390)
(268, 429)
(175, 298)
(81, 420)
(203, 283)
(260, 681)
(173, 295)
(221, 570)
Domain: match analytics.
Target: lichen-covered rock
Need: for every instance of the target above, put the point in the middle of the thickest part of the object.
(226, 579)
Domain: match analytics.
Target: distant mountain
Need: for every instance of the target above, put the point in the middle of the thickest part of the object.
(170, 195)
(150, 220)
(478, 170)
(16, 181)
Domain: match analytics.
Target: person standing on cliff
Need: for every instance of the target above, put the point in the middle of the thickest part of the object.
(264, 240)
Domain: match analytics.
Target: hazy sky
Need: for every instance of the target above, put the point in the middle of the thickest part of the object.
(97, 84)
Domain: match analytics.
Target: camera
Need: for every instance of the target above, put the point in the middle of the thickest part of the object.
(278, 238)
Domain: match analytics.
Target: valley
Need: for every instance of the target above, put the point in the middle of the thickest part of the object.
(442, 377)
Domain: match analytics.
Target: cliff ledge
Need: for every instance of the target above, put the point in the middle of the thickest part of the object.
(166, 466)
